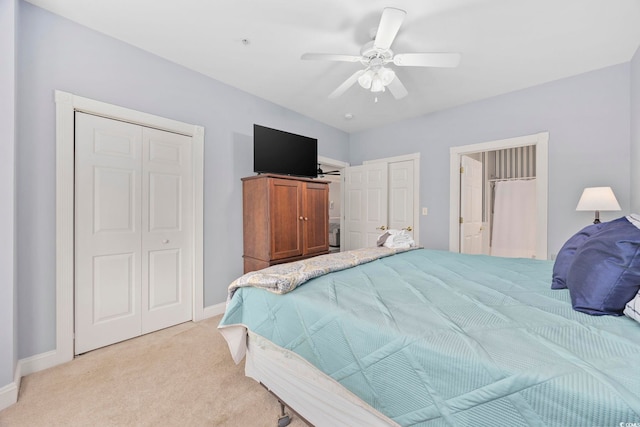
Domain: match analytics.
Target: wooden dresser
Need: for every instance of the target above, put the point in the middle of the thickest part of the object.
(284, 219)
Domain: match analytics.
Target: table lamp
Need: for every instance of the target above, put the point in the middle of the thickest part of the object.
(598, 199)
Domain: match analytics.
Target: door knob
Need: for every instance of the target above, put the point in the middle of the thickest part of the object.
(382, 227)
(408, 228)
(301, 218)
(165, 241)
(306, 219)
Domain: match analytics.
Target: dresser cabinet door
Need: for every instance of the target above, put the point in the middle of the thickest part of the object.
(315, 218)
(285, 203)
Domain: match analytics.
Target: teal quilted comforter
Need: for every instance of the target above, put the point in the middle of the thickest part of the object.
(432, 338)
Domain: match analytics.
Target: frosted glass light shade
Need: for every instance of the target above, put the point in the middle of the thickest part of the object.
(598, 199)
(386, 75)
(376, 79)
(376, 84)
(366, 79)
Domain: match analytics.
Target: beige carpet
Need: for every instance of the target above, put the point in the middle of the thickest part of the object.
(180, 376)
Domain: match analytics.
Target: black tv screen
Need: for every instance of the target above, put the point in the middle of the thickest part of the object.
(276, 151)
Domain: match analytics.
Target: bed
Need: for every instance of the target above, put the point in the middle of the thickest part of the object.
(430, 338)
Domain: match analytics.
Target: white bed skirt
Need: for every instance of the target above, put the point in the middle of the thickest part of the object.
(314, 395)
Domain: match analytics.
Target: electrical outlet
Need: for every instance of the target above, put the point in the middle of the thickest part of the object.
(424, 211)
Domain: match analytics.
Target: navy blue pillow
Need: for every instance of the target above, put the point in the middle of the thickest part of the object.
(605, 272)
(565, 256)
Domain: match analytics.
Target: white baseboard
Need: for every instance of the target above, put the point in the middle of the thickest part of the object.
(39, 362)
(214, 310)
(9, 393)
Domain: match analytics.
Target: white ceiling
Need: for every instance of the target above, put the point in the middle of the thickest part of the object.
(505, 45)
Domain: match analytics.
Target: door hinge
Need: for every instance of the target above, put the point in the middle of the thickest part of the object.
(461, 220)
(461, 169)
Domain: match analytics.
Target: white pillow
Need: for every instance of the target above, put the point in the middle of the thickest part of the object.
(632, 308)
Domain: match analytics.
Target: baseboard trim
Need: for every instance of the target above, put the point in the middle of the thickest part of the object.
(214, 310)
(49, 359)
(39, 362)
(26, 366)
(9, 393)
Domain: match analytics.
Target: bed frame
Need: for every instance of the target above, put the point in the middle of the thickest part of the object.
(310, 394)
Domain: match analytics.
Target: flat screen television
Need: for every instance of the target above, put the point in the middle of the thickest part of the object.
(276, 151)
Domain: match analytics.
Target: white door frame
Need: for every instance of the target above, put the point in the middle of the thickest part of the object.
(66, 105)
(338, 164)
(416, 187)
(541, 141)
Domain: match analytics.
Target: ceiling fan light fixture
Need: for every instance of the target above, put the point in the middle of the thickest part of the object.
(377, 53)
(376, 84)
(386, 75)
(366, 79)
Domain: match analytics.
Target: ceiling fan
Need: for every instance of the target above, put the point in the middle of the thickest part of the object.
(376, 54)
(322, 173)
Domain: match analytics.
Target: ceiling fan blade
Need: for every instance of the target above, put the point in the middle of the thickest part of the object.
(389, 25)
(346, 84)
(427, 59)
(330, 57)
(397, 89)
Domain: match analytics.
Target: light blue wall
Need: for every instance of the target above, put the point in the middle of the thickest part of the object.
(55, 53)
(635, 132)
(587, 117)
(8, 294)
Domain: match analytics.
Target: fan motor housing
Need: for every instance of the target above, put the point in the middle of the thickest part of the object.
(370, 54)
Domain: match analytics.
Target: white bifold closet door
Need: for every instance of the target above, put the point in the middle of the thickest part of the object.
(378, 196)
(366, 204)
(133, 231)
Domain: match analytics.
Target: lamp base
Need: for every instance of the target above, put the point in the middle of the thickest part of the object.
(597, 219)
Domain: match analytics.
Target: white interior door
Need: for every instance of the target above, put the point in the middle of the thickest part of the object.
(401, 194)
(366, 196)
(167, 212)
(108, 233)
(471, 200)
(133, 222)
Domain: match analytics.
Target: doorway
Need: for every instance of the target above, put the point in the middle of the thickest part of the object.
(498, 202)
(476, 203)
(333, 171)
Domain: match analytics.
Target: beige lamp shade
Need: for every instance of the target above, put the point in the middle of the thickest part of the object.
(598, 199)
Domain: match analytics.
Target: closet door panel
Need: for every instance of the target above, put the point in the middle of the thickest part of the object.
(366, 194)
(167, 206)
(108, 232)
(401, 208)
